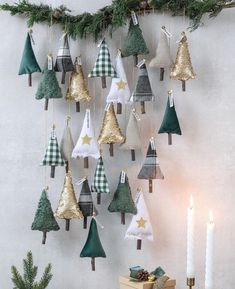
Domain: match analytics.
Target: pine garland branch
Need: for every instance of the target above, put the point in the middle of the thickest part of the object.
(113, 16)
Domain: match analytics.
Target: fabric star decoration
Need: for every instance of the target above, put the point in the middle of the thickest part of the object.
(86, 139)
(141, 223)
(121, 84)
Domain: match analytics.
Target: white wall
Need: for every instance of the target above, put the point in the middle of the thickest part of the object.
(199, 162)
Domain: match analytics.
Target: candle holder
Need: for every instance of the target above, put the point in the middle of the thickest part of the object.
(190, 282)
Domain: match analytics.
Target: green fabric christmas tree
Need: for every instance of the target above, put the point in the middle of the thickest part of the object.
(103, 66)
(122, 201)
(44, 219)
(48, 86)
(134, 43)
(100, 183)
(93, 247)
(53, 156)
(170, 123)
(28, 63)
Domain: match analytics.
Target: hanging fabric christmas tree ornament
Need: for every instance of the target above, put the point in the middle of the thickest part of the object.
(29, 63)
(64, 62)
(133, 140)
(100, 183)
(163, 58)
(122, 201)
(67, 145)
(151, 168)
(143, 91)
(93, 247)
(87, 145)
(182, 68)
(170, 123)
(44, 219)
(85, 202)
(140, 227)
(48, 86)
(134, 43)
(110, 132)
(68, 208)
(103, 66)
(77, 89)
(53, 156)
(119, 92)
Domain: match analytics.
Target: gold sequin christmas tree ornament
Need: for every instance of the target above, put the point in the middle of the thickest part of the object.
(77, 90)
(68, 208)
(110, 132)
(182, 68)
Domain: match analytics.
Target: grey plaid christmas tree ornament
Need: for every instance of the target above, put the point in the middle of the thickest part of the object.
(100, 183)
(86, 202)
(151, 168)
(64, 61)
(103, 66)
(143, 91)
(53, 156)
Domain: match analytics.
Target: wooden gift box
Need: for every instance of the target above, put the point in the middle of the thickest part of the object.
(125, 283)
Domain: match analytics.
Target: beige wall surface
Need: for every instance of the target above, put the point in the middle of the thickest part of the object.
(201, 161)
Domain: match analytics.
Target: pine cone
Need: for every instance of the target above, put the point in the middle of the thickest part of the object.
(142, 275)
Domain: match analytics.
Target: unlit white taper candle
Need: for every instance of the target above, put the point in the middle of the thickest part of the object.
(209, 253)
(190, 241)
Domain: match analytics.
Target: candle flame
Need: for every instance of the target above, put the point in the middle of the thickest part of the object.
(211, 219)
(191, 203)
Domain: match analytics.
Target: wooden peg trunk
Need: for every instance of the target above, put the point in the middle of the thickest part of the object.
(125, 283)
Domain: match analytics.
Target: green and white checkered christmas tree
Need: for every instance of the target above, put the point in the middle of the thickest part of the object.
(53, 156)
(103, 66)
(100, 183)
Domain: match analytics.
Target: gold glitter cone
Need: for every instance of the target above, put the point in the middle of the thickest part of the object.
(182, 68)
(77, 89)
(68, 207)
(110, 131)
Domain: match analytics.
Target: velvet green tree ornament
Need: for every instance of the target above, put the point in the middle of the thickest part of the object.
(93, 247)
(48, 86)
(28, 63)
(103, 66)
(100, 183)
(170, 123)
(86, 202)
(143, 91)
(151, 169)
(134, 43)
(64, 61)
(44, 219)
(122, 201)
(53, 156)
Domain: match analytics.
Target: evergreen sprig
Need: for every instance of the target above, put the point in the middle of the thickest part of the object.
(113, 16)
(27, 281)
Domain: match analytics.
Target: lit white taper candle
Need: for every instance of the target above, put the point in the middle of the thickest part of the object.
(209, 252)
(190, 241)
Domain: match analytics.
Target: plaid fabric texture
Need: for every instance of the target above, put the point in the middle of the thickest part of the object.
(143, 90)
(85, 200)
(53, 156)
(63, 60)
(103, 65)
(100, 183)
(150, 169)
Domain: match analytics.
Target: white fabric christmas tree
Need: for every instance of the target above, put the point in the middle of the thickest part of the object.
(140, 227)
(119, 91)
(163, 57)
(133, 140)
(87, 145)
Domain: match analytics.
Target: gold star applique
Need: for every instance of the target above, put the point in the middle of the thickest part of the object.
(86, 139)
(121, 84)
(141, 223)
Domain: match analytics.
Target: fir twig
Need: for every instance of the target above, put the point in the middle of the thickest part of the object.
(113, 16)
